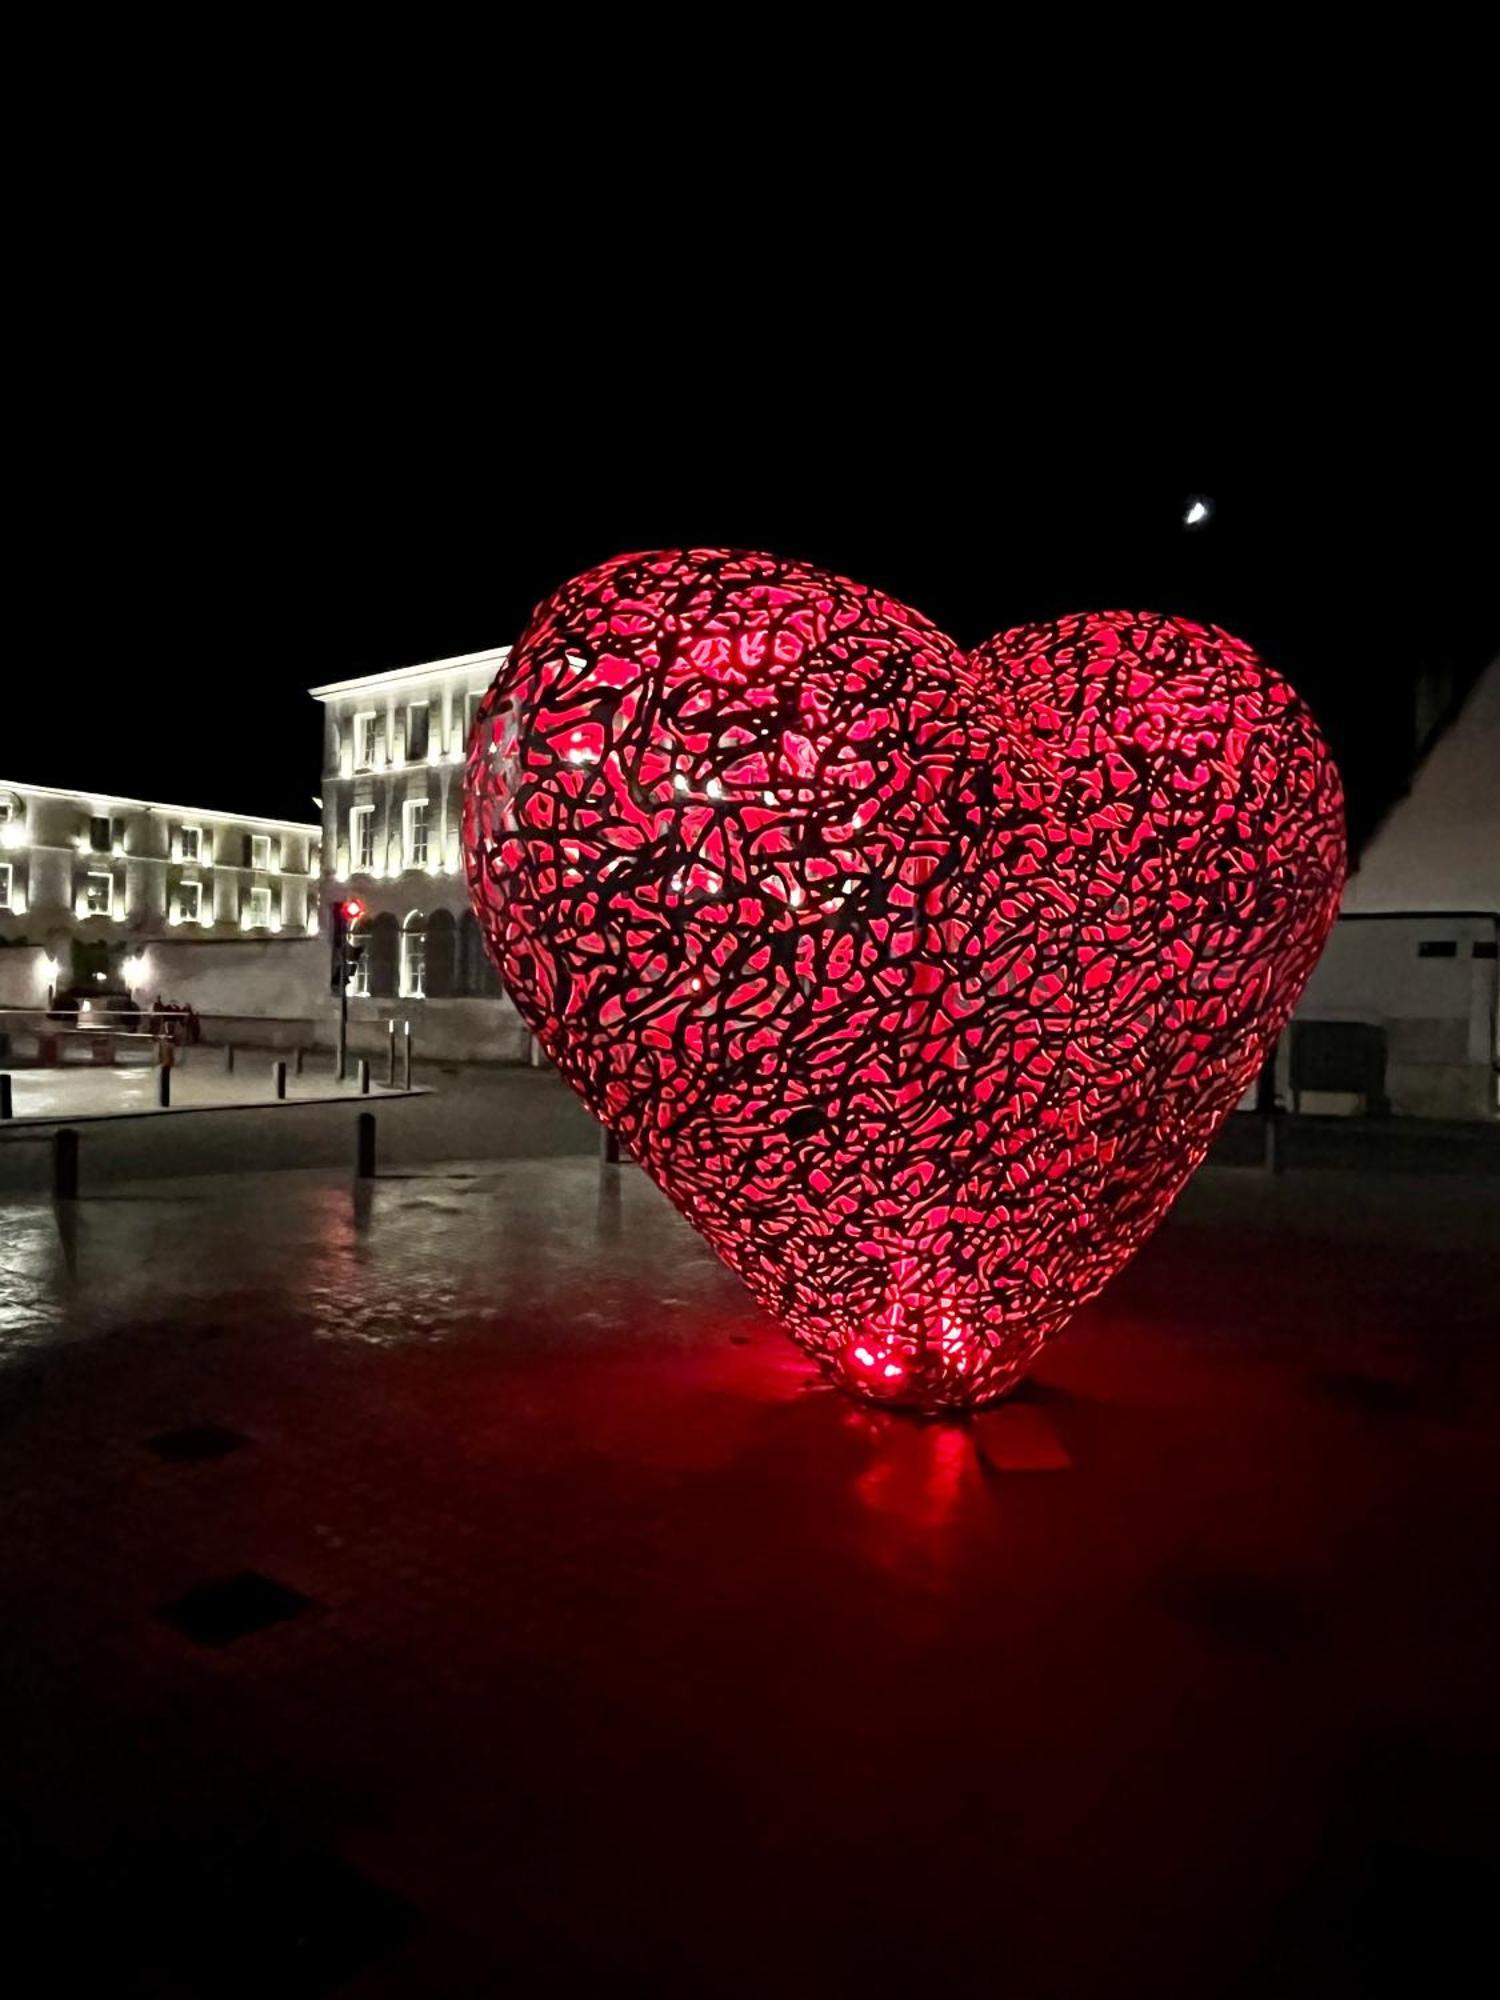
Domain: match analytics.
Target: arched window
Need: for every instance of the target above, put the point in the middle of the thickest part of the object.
(385, 946)
(476, 975)
(441, 941)
(414, 956)
(359, 934)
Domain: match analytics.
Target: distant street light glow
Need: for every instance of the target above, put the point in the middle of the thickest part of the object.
(1199, 511)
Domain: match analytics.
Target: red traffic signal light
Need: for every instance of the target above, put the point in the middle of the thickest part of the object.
(353, 909)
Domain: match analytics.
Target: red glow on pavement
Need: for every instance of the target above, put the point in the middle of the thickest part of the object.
(919, 981)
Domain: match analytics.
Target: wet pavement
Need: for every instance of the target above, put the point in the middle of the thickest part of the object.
(457, 1586)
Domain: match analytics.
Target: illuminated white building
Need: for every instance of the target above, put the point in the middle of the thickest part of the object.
(90, 881)
(1403, 1009)
(393, 780)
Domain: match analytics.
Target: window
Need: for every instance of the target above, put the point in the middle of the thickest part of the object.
(5, 880)
(98, 894)
(260, 850)
(99, 833)
(364, 740)
(359, 939)
(417, 732)
(192, 843)
(190, 901)
(416, 833)
(1484, 948)
(362, 839)
(260, 909)
(414, 956)
(1437, 948)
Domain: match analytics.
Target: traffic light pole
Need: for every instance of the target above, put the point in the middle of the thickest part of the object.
(338, 925)
(346, 955)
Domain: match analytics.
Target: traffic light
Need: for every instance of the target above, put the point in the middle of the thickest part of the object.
(347, 951)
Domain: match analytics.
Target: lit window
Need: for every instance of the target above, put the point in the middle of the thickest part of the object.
(359, 976)
(416, 833)
(362, 839)
(192, 843)
(260, 850)
(6, 872)
(414, 956)
(417, 731)
(190, 901)
(364, 740)
(98, 894)
(260, 909)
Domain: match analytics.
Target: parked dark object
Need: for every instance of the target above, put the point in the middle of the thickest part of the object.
(1345, 1056)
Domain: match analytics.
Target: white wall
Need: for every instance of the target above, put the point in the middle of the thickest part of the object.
(1439, 847)
(451, 1030)
(278, 978)
(25, 974)
(1439, 1015)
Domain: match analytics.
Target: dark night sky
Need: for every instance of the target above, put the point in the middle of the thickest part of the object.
(329, 369)
(240, 518)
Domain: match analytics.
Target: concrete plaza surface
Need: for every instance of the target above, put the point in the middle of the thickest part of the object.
(200, 1082)
(455, 1585)
(235, 1124)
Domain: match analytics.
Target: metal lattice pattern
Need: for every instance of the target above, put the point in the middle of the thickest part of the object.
(919, 981)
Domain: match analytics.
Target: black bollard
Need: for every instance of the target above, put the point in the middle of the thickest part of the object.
(7, 1110)
(364, 1076)
(278, 1078)
(609, 1147)
(164, 1086)
(297, 1062)
(364, 1146)
(390, 1066)
(406, 1055)
(229, 1058)
(1267, 1104)
(65, 1165)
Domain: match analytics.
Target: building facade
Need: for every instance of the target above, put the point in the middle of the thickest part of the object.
(393, 775)
(95, 887)
(1403, 1009)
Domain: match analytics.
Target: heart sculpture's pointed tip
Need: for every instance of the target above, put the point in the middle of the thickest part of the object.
(934, 1374)
(919, 980)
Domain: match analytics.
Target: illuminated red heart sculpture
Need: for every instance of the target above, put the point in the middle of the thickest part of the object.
(918, 980)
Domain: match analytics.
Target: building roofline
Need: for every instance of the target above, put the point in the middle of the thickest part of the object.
(158, 805)
(424, 670)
